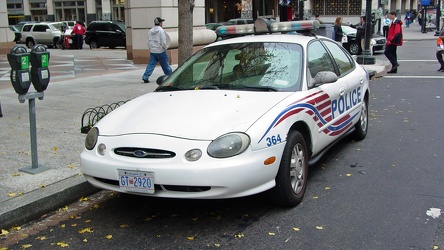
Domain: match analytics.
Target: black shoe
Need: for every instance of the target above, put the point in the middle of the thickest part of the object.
(441, 69)
(393, 70)
(397, 64)
(146, 81)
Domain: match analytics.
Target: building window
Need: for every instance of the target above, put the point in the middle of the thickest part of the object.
(69, 10)
(337, 7)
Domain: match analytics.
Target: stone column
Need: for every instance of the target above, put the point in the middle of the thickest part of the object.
(106, 9)
(50, 10)
(27, 10)
(90, 11)
(6, 35)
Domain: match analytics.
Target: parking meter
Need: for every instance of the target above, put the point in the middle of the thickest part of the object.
(19, 61)
(39, 70)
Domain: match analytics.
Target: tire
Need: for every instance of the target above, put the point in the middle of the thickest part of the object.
(355, 49)
(93, 44)
(362, 126)
(30, 43)
(112, 47)
(292, 176)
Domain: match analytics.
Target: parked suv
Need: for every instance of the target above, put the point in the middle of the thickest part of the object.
(42, 33)
(110, 34)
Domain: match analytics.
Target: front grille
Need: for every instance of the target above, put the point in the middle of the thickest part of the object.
(144, 153)
(382, 41)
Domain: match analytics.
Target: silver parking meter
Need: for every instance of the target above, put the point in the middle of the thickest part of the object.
(40, 71)
(19, 61)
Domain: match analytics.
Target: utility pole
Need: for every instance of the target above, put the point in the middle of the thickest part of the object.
(438, 18)
(366, 57)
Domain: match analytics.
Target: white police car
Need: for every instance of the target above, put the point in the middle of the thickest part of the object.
(241, 116)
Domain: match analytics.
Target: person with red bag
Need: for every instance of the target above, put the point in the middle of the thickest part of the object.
(78, 31)
(440, 49)
(394, 39)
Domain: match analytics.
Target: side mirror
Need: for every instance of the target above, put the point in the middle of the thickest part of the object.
(161, 79)
(323, 77)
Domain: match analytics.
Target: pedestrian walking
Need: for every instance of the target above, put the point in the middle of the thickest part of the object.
(157, 46)
(317, 17)
(408, 19)
(439, 50)
(394, 39)
(339, 34)
(78, 31)
(385, 26)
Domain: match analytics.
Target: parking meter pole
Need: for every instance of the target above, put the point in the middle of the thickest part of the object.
(1, 114)
(35, 167)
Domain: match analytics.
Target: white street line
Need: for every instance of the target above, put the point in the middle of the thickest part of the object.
(415, 77)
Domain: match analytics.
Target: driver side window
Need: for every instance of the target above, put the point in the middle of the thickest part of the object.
(319, 59)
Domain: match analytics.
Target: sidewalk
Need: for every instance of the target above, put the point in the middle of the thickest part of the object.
(25, 197)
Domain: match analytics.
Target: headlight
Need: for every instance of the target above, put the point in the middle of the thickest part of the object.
(229, 145)
(91, 138)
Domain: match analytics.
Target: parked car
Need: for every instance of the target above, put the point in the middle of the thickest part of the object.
(237, 21)
(239, 117)
(110, 34)
(47, 33)
(17, 33)
(69, 24)
(354, 47)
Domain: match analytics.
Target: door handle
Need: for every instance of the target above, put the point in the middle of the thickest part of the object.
(342, 91)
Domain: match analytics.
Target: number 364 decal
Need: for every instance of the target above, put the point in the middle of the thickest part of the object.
(274, 140)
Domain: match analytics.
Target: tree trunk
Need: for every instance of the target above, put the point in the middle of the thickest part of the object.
(186, 8)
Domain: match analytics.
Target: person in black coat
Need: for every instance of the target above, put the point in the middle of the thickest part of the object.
(338, 30)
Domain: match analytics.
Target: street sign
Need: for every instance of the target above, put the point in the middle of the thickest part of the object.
(425, 2)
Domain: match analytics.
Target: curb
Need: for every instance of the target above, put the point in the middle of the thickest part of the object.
(32, 205)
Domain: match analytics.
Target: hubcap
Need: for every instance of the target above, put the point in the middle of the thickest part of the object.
(364, 117)
(297, 174)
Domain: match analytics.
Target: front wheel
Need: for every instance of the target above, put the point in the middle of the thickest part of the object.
(362, 126)
(291, 179)
(355, 49)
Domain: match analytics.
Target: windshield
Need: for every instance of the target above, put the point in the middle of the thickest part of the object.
(244, 66)
(348, 30)
(122, 26)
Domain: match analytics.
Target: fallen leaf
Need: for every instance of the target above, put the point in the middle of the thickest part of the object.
(15, 175)
(83, 199)
(41, 238)
(85, 240)
(42, 186)
(11, 194)
(216, 245)
(16, 228)
(190, 237)
(271, 233)
(73, 225)
(26, 246)
(319, 227)
(195, 218)
(96, 206)
(239, 235)
(54, 148)
(70, 166)
(4, 232)
(327, 188)
(87, 221)
(348, 175)
(86, 230)
(315, 197)
(296, 229)
(435, 247)
(63, 208)
(124, 225)
(62, 244)
(62, 226)
(109, 236)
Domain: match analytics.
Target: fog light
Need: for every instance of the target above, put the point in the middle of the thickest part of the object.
(101, 149)
(193, 154)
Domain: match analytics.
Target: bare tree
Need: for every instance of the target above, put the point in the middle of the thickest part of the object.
(186, 8)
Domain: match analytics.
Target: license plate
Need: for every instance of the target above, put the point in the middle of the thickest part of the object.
(136, 181)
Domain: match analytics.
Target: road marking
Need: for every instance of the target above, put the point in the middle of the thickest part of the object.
(415, 77)
(417, 60)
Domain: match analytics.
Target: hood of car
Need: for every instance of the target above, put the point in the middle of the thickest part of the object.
(198, 114)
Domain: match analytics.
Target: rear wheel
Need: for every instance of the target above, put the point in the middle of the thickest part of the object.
(93, 44)
(291, 179)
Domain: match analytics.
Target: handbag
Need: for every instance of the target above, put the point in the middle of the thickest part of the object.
(439, 44)
(344, 39)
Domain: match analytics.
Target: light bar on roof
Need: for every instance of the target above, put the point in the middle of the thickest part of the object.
(242, 29)
(266, 26)
(294, 26)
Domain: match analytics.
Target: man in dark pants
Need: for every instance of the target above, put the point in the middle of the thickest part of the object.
(1, 114)
(394, 39)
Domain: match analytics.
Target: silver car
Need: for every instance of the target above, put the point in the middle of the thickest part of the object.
(42, 33)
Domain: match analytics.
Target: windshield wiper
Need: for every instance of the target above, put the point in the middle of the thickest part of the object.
(167, 88)
(260, 88)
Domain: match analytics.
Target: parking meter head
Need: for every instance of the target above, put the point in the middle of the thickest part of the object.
(18, 59)
(39, 67)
